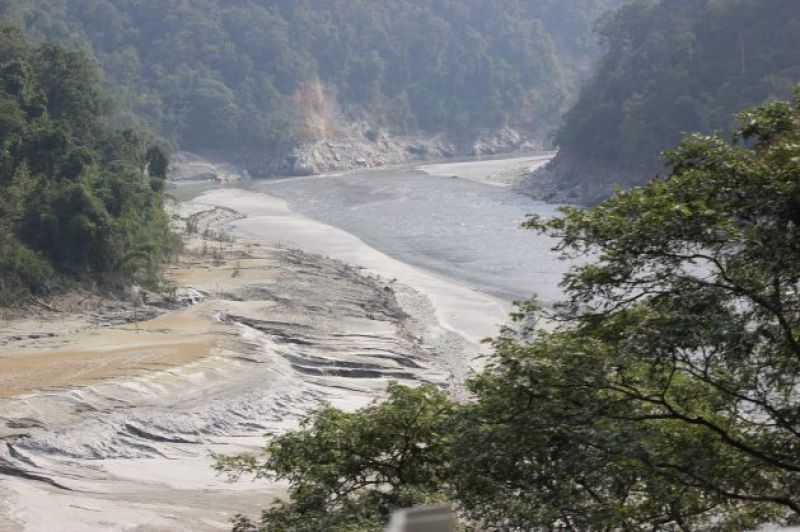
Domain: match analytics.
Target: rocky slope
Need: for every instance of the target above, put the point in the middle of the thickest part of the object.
(347, 152)
(363, 147)
(574, 181)
(187, 166)
(337, 141)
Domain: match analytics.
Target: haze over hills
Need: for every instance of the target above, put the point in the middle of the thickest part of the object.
(255, 78)
(250, 82)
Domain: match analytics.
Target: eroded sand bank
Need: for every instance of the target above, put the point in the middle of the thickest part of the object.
(500, 172)
(109, 426)
(472, 314)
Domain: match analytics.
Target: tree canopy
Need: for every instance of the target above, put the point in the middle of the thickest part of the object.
(77, 198)
(670, 67)
(348, 471)
(664, 395)
(226, 76)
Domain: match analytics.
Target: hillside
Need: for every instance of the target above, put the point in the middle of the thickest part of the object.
(78, 199)
(259, 77)
(669, 67)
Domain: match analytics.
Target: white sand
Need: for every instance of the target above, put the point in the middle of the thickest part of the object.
(178, 490)
(498, 172)
(463, 310)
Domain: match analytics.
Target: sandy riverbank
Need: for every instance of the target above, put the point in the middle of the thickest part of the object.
(501, 172)
(108, 425)
(460, 309)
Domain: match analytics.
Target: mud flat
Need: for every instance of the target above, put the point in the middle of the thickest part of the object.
(108, 414)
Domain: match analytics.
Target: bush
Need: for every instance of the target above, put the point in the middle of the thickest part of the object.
(23, 273)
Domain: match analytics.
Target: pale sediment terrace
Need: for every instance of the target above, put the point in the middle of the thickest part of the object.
(110, 425)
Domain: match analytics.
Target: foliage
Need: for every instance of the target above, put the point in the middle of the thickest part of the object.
(681, 336)
(219, 75)
(75, 198)
(664, 395)
(348, 471)
(677, 66)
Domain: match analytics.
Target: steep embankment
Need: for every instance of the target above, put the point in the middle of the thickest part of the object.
(576, 181)
(669, 68)
(344, 146)
(336, 143)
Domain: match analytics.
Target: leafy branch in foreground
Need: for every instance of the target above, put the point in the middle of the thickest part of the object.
(666, 398)
(348, 471)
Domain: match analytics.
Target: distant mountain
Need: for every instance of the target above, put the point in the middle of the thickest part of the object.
(261, 75)
(671, 66)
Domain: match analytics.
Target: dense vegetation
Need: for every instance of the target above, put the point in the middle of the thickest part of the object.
(77, 199)
(673, 66)
(219, 75)
(665, 398)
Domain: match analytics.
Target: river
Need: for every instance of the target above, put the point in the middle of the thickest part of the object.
(457, 228)
(110, 426)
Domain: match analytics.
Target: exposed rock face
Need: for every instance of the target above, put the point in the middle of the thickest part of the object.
(369, 148)
(358, 152)
(186, 166)
(505, 140)
(570, 180)
(343, 144)
(344, 141)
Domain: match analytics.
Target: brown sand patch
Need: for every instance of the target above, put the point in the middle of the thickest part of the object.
(226, 275)
(170, 340)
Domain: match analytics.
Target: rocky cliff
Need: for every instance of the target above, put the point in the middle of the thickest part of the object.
(367, 148)
(576, 181)
(186, 166)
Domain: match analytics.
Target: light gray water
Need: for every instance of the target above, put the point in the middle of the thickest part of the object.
(460, 229)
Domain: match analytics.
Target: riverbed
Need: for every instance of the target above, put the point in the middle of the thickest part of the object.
(458, 220)
(309, 290)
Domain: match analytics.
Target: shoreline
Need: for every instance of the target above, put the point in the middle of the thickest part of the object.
(112, 418)
(95, 439)
(506, 172)
(269, 220)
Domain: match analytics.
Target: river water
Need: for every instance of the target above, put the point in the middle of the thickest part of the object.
(460, 229)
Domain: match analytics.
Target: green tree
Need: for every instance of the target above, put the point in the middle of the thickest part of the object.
(157, 162)
(76, 202)
(662, 395)
(669, 67)
(348, 471)
(681, 334)
(220, 76)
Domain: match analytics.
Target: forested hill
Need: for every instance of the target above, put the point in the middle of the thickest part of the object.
(78, 199)
(673, 66)
(225, 76)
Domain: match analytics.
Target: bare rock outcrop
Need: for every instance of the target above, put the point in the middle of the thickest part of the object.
(575, 181)
(187, 166)
(366, 147)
